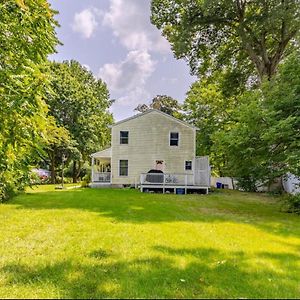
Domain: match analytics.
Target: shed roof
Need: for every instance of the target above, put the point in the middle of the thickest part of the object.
(102, 153)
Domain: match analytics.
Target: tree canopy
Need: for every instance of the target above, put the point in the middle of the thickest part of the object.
(27, 37)
(213, 34)
(262, 141)
(79, 102)
(163, 103)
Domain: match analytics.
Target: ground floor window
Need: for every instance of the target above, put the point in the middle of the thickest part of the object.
(188, 165)
(123, 167)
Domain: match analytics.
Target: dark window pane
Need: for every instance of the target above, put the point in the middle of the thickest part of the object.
(124, 137)
(174, 135)
(174, 138)
(188, 165)
(123, 168)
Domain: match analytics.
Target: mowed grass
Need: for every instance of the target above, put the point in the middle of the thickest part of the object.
(95, 243)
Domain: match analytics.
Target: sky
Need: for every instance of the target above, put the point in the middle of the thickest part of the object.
(117, 42)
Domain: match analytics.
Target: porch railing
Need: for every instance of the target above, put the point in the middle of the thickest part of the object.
(101, 177)
(166, 179)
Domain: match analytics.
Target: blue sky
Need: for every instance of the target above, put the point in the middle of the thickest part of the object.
(117, 42)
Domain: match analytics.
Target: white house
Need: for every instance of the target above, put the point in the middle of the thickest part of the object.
(155, 152)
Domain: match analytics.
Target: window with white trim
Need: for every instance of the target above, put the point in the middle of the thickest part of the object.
(174, 138)
(124, 137)
(123, 167)
(188, 165)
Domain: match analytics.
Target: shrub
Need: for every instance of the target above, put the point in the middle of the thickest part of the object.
(291, 203)
(247, 184)
(6, 191)
(86, 178)
(66, 179)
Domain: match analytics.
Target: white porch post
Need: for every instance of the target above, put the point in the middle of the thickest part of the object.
(93, 162)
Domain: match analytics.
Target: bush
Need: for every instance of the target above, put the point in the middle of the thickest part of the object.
(66, 179)
(247, 184)
(6, 191)
(291, 203)
(87, 178)
(34, 178)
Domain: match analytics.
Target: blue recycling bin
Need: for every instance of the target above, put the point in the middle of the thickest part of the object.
(180, 191)
(219, 185)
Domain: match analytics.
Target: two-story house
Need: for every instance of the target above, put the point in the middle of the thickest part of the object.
(153, 151)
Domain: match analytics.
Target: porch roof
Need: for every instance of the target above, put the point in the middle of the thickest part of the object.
(102, 153)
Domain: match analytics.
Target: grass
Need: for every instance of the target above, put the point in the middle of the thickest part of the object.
(94, 243)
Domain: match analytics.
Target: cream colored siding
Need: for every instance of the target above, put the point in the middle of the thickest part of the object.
(149, 140)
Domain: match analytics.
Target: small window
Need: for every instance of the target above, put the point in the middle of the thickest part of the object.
(174, 138)
(124, 137)
(188, 165)
(123, 171)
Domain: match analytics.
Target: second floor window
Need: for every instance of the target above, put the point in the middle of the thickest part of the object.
(174, 138)
(124, 137)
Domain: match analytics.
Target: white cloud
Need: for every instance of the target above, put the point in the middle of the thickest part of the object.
(124, 106)
(136, 96)
(127, 79)
(130, 73)
(85, 22)
(130, 23)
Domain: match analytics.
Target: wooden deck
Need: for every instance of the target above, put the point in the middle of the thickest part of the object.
(172, 183)
(174, 189)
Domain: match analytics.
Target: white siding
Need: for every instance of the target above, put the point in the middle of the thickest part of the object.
(291, 184)
(149, 141)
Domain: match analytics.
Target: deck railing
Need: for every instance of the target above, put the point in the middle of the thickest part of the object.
(167, 179)
(104, 177)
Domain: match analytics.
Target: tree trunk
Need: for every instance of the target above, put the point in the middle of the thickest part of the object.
(74, 172)
(52, 162)
(232, 182)
(78, 170)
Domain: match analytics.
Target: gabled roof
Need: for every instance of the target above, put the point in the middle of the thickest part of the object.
(151, 111)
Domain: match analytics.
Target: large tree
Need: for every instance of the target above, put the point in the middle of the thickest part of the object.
(58, 146)
(27, 37)
(79, 102)
(211, 34)
(262, 141)
(164, 103)
(209, 105)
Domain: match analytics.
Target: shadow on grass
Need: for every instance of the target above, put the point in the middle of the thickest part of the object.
(210, 274)
(100, 254)
(135, 207)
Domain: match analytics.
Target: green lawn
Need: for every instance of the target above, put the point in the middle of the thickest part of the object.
(93, 243)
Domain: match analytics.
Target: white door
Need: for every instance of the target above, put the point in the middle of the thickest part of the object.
(202, 171)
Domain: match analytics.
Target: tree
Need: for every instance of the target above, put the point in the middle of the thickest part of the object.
(209, 105)
(57, 145)
(27, 37)
(263, 140)
(79, 102)
(163, 103)
(211, 34)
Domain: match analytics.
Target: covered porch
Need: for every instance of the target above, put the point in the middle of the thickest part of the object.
(101, 167)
